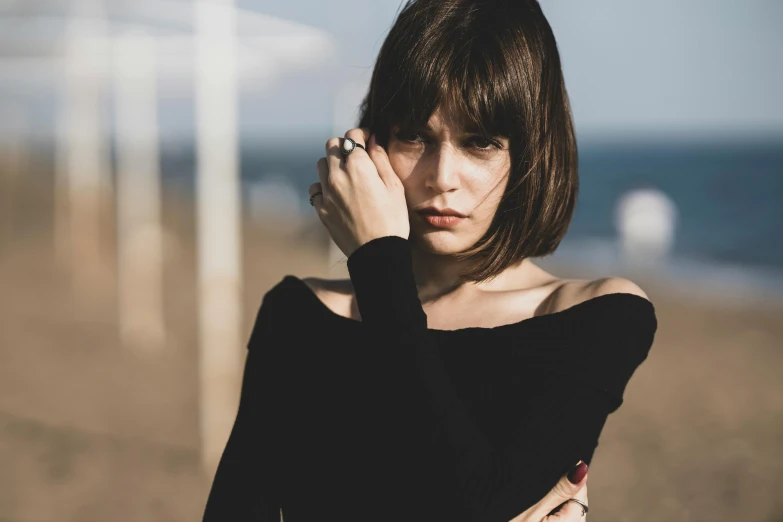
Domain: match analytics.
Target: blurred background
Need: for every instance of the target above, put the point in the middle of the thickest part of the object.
(154, 163)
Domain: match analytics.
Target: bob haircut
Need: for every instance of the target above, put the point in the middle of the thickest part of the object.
(494, 64)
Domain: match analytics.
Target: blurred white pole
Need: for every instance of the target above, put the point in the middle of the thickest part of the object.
(83, 179)
(218, 202)
(139, 234)
(345, 116)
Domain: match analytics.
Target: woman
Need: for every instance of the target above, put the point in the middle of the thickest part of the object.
(449, 378)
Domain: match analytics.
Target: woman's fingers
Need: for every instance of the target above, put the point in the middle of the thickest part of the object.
(381, 159)
(569, 512)
(319, 186)
(572, 485)
(357, 206)
(323, 173)
(569, 486)
(336, 161)
(360, 136)
(333, 156)
(316, 195)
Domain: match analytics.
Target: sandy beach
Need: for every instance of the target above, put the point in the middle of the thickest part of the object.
(91, 431)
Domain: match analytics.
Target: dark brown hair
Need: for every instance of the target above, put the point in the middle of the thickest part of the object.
(494, 63)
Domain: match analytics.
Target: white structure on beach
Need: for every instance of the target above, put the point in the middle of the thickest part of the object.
(646, 222)
(130, 56)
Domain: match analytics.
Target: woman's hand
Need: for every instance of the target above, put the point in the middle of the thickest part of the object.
(563, 490)
(361, 197)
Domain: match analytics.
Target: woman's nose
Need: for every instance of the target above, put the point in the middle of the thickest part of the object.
(443, 172)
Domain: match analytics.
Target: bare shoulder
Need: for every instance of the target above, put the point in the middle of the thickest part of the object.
(615, 285)
(575, 291)
(336, 294)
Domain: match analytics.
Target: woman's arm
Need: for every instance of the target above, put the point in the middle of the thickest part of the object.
(245, 484)
(554, 429)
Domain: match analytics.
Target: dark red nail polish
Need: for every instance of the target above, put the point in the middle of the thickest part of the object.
(578, 473)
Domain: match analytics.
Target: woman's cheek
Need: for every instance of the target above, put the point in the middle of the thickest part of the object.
(401, 166)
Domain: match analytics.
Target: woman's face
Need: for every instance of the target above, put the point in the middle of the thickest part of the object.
(445, 166)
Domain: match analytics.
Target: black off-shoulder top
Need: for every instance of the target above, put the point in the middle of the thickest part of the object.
(387, 419)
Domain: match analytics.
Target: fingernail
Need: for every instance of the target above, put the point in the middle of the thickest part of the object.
(578, 473)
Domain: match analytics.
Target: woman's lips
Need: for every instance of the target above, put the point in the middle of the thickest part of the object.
(442, 221)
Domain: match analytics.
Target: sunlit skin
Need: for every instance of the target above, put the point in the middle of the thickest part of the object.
(444, 166)
(447, 166)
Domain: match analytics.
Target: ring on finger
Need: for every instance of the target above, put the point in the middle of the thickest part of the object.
(312, 196)
(349, 146)
(584, 506)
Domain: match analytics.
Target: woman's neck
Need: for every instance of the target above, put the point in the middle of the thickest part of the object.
(437, 276)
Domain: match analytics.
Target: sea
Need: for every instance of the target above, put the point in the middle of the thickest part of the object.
(727, 197)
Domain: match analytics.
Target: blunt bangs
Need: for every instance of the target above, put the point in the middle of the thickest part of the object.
(460, 69)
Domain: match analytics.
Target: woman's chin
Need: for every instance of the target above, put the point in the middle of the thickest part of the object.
(440, 242)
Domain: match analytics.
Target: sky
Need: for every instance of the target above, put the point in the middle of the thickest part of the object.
(671, 68)
(631, 66)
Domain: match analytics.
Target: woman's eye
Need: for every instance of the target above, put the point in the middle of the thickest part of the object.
(476, 142)
(483, 143)
(408, 136)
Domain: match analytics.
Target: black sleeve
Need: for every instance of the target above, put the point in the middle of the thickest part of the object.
(555, 428)
(245, 485)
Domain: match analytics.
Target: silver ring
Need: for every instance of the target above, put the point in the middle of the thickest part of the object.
(349, 145)
(584, 506)
(313, 197)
